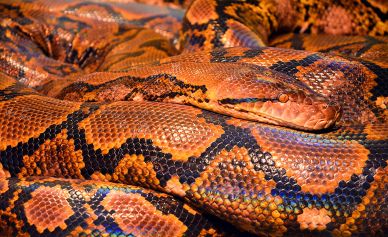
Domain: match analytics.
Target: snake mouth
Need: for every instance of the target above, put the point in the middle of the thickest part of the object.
(302, 113)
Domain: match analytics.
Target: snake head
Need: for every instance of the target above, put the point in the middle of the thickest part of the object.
(271, 97)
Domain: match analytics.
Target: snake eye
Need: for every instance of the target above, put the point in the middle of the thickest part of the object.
(283, 98)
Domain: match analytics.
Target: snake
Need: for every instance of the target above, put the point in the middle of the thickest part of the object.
(193, 118)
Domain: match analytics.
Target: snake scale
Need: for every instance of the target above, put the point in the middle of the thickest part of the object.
(124, 119)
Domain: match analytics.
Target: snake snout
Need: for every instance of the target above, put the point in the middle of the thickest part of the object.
(300, 97)
(328, 114)
(332, 110)
(314, 111)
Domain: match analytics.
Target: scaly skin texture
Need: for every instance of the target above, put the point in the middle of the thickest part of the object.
(261, 178)
(212, 24)
(373, 49)
(73, 207)
(258, 94)
(360, 87)
(264, 179)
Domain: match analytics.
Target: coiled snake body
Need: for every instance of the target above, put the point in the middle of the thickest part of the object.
(282, 142)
